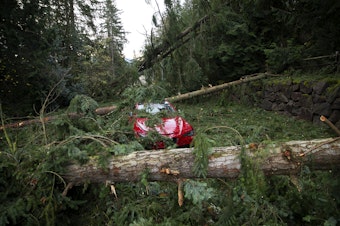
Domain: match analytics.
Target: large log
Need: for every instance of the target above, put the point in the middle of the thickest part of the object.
(168, 165)
(212, 89)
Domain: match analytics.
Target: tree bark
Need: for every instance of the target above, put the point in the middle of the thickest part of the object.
(169, 165)
(98, 111)
(216, 88)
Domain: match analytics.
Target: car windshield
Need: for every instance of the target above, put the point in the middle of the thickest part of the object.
(154, 108)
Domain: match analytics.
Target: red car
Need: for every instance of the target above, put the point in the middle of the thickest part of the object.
(171, 126)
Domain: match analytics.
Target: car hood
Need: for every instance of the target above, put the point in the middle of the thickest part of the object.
(170, 127)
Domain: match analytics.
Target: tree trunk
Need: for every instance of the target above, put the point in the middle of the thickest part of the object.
(216, 88)
(168, 165)
(98, 111)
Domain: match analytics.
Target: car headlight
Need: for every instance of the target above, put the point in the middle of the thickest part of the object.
(189, 134)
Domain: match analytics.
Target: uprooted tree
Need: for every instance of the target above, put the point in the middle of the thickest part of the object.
(224, 162)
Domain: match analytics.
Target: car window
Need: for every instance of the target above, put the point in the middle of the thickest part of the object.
(155, 108)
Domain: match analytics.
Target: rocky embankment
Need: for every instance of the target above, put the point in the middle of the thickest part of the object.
(307, 100)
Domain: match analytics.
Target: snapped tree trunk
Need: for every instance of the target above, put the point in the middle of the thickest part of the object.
(212, 89)
(224, 162)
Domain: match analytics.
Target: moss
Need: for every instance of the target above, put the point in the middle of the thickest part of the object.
(306, 83)
(307, 80)
(332, 89)
(332, 81)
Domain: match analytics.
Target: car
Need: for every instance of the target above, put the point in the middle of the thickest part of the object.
(162, 119)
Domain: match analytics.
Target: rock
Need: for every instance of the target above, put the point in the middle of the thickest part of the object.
(295, 87)
(296, 96)
(306, 101)
(335, 116)
(337, 125)
(336, 104)
(271, 96)
(278, 107)
(282, 98)
(319, 99)
(333, 95)
(287, 91)
(305, 88)
(289, 106)
(267, 105)
(320, 87)
(322, 109)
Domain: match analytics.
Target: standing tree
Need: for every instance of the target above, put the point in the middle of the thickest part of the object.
(24, 50)
(42, 43)
(106, 71)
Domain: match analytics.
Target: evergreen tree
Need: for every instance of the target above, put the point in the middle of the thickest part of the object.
(106, 71)
(41, 46)
(238, 38)
(24, 54)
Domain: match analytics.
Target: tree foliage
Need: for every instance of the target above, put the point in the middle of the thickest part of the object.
(52, 55)
(44, 42)
(239, 38)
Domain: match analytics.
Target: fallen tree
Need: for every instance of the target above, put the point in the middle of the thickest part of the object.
(224, 162)
(207, 90)
(106, 110)
(72, 115)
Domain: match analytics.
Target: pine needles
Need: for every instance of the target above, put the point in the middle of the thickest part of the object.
(202, 145)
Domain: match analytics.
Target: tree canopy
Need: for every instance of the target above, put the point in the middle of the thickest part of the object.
(49, 45)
